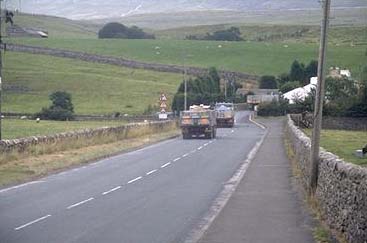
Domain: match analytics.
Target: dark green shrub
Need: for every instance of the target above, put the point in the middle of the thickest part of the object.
(61, 109)
(117, 30)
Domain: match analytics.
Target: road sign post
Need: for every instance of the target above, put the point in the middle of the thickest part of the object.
(163, 106)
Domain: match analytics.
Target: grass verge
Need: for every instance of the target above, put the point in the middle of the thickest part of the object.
(322, 233)
(43, 160)
(15, 128)
(343, 143)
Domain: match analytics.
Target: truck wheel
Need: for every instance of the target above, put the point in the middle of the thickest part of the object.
(185, 135)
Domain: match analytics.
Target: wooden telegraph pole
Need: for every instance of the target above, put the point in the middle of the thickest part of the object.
(1, 68)
(315, 143)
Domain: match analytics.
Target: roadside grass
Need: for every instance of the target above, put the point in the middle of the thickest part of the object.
(41, 160)
(95, 88)
(260, 58)
(343, 143)
(16, 128)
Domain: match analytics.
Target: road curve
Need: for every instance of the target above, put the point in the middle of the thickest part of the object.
(155, 194)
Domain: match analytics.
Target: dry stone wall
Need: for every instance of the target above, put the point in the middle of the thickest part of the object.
(329, 122)
(120, 132)
(341, 188)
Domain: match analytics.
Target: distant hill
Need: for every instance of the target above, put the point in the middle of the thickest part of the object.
(57, 27)
(96, 9)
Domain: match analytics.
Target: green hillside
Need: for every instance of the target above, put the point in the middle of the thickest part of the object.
(249, 57)
(95, 88)
(274, 33)
(57, 27)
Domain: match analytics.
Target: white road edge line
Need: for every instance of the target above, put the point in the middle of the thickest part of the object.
(183, 156)
(134, 180)
(80, 203)
(32, 222)
(166, 164)
(205, 144)
(177, 159)
(256, 123)
(112, 190)
(151, 172)
(199, 148)
(19, 186)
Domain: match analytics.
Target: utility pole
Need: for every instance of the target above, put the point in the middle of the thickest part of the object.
(185, 83)
(320, 94)
(1, 68)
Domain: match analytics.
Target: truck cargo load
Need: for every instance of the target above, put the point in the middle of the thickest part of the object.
(225, 114)
(198, 121)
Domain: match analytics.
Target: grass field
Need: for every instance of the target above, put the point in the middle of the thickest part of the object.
(15, 128)
(343, 143)
(95, 88)
(275, 33)
(250, 57)
(349, 17)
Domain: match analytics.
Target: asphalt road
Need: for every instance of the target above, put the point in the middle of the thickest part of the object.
(155, 194)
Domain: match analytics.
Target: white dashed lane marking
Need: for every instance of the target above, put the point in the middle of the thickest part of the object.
(134, 180)
(112, 190)
(166, 164)
(80, 203)
(32, 222)
(151, 172)
(106, 192)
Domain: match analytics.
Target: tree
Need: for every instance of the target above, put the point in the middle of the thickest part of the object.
(297, 72)
(268, 82)
(61, 108)
(231, 34)
(62, 100)
(340, 94)
(363, 85)
(360, 108)
(311, 71)
(117, 30)
(203, 89)
(283, 78)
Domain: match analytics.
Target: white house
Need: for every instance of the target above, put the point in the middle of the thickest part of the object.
(300, 93)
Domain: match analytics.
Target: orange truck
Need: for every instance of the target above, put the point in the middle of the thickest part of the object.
(198, 121)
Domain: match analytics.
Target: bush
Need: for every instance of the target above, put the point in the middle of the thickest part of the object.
(117, 30)
(61, 109)
(56, 113)
(289, 86)
(231, 34)
(273, 108)
(268, 82)
(357, 110)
